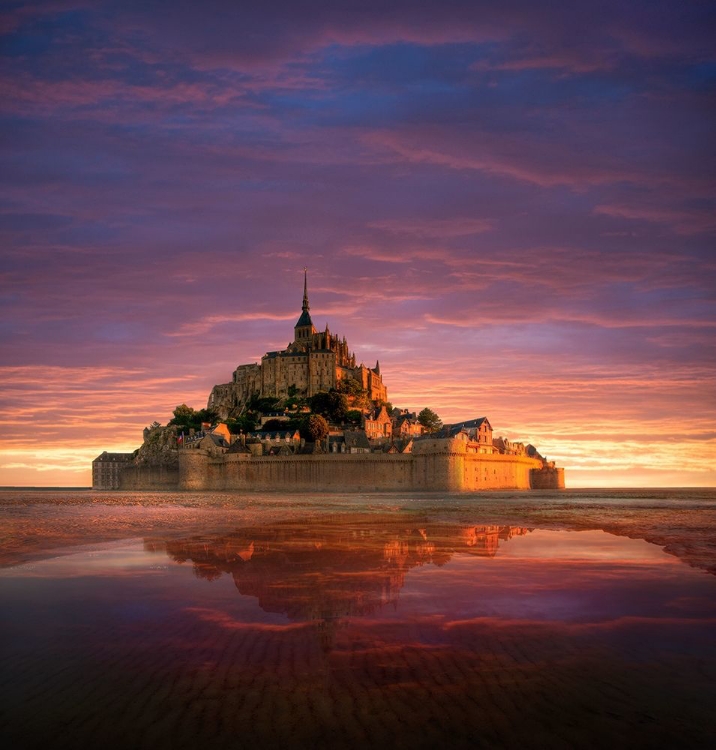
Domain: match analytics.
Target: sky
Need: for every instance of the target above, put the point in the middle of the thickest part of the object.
(509, 204)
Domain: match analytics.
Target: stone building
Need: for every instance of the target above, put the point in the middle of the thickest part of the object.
(314, 361)
(405, 427)
(377, 424)
(509, 447)
(479, 431)
(107, 469)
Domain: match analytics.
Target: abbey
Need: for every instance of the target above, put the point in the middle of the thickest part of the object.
(379, 448)
(314, 361)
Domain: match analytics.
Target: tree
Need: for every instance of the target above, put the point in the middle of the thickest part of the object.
(332, 405)
(275, 425)
(362, 402)
(206, 415)
(183, 414)
(349, 386)
(313, 428)
(187, 418)
(339, 405)
(430, 420)
(266, 405)
(242, 423)
(353, 416)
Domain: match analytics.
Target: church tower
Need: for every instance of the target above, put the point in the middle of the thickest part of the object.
(303, 330)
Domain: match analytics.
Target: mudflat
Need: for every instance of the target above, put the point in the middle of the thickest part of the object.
(506, 619)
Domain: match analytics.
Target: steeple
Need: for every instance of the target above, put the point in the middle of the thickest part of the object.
(376, 369)
(304, 329)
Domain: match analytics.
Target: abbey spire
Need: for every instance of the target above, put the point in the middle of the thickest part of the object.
(304, 330)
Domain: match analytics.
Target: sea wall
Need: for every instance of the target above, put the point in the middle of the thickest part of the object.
(146, 477)
(547, 478)
(439, 465)
(337, 472)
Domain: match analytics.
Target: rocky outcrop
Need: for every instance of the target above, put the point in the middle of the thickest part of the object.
(159, 447)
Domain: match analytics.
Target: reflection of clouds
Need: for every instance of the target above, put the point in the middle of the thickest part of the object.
(561, 627)
(224, 621)
(373, 575)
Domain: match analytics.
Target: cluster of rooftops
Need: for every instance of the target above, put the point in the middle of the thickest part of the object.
(478, 432)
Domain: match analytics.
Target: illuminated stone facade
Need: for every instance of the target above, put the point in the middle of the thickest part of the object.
(454, 464)
(314, 361)
(107, 469)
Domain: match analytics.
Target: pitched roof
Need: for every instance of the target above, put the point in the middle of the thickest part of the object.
(105, 456)
(304, 320)
(275, 434)
(374, 415)
(356, 439)
(217, 440)
(470, 424)
(238, 447)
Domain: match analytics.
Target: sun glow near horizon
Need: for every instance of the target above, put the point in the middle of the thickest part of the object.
(612, 445)
(518, 227)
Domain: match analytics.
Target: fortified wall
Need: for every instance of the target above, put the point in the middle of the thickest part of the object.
(144, 477)
(434, 465)
(389, 453)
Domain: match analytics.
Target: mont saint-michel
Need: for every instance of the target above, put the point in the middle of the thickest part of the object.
(309, 417)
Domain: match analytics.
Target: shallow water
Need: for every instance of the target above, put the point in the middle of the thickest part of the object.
(499, 620)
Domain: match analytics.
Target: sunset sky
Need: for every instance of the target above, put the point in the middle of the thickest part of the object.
(510, 204)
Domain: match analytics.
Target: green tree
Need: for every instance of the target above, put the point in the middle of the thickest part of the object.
(332, 405)
(313, 428)
(430, 420)
(362, 402)
(349, 386)
(275, 425)
(183, 414)
(266, 405)
(242, 423)
(353, 416)
(206, 415)
(186, 418)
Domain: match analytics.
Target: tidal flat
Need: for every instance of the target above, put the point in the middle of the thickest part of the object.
(508, 619)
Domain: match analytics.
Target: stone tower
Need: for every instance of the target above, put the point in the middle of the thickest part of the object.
(303, 330)
(313, 362)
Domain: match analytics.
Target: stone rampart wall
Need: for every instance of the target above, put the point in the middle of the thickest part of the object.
(145, 477)
(451, 471)
(547, 478)
(334, 472)
(498, 472)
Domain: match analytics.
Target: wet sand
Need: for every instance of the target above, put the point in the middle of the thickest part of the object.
(36, 523)
(498, 620)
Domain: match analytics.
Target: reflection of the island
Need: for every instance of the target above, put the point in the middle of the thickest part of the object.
(320, 570)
